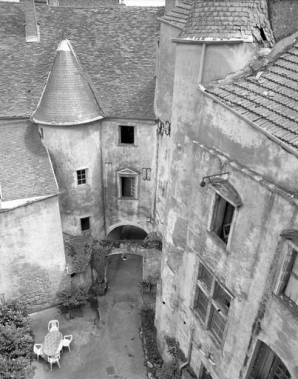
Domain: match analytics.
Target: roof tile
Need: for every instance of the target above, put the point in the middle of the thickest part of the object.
(25, 168)
(274, 97)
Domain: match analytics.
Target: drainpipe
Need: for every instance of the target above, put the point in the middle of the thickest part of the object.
(188, 353)
(202, 63)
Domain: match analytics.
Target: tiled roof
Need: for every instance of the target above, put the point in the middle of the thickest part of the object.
(269, 98)
(25, 169)
(228, 19)
(115, 45)
(68, 98)
(86, 3)
(178, 15)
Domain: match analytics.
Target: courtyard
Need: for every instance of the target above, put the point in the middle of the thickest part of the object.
(106, 343)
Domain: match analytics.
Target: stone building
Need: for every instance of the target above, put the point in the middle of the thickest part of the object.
(229, 218)
(188, 130)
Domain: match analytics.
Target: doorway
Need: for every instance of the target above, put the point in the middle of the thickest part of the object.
(267, 365)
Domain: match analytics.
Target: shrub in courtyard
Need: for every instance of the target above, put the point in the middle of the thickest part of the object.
(169, 370)
(149, 337)
(74, 297)
(16, 341)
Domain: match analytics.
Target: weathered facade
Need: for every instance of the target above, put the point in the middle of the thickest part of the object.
(207, 158)
(224, 292)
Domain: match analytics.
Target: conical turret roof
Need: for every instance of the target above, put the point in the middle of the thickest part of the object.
(68, 97)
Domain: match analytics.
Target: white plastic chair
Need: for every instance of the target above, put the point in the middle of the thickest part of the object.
(37, 349)
(67, 341)
(54, 359)
(53, 325)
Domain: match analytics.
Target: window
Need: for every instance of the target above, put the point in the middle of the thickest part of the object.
(291, 282)
(82, 176)
(267, 365)
(127, 181)
(222, 218)
(127, 186)
(85, 223)
(212, 303)
(127, 134)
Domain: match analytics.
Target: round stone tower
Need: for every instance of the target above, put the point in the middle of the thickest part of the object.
(68, 115)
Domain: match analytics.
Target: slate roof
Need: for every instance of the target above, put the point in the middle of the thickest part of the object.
(86, 3)
(68, 98)
(223, 20)
(115, 45)
(178, 15)
(25, 169)
(268, 98)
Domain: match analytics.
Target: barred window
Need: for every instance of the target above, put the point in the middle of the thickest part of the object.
(82, 176)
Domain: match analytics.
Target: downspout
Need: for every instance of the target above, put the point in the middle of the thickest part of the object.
(188, 353)
(202, 63)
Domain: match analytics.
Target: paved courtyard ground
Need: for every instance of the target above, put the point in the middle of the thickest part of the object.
(108, 347)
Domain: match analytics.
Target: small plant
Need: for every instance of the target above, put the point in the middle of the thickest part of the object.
(73, 297)
(169, 370)
(16, 340)
(174, 349)
(152, 241)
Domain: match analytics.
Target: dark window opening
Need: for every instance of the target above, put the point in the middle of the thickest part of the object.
(263, 35)
(127, 186)
(222, 298)
(223, 216)
(82, 176)
(127, 134)
(85, 223)
(73, 275)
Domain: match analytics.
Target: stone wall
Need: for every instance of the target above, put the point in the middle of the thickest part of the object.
(32, 253)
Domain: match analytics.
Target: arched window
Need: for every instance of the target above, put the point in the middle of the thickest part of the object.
(267, 365)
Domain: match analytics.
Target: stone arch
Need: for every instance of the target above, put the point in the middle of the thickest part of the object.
(143, 231)
(266, 363)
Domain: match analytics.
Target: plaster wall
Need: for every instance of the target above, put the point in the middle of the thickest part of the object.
(243, 268)
(217, 127)
(73, 148)
(222, 60)
(32, 253)
(263, 173)
(163, 110)
(116, 157)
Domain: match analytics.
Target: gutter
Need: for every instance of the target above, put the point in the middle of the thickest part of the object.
(189, 352)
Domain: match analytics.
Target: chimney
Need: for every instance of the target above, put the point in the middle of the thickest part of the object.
(169, 5)
(53, 3)
(31, 27)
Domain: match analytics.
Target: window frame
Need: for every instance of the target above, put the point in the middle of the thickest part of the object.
(89, 221)
(214, 305)
(127, 173)
(120, 143)
(85, 174)
(289, 252)
(217, 199)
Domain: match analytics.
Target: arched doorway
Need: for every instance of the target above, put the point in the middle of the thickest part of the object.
(127, 232)
(125, 268)
(267, 365)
